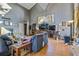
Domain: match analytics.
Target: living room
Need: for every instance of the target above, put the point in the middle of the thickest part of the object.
(38, 29)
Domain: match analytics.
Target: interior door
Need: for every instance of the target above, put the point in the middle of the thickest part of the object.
(25, 29)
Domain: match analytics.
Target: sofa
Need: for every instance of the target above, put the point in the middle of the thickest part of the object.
(39, 41)
(66, 39)
(5, 42)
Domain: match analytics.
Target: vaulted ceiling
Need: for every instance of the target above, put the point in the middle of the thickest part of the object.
(28, 6)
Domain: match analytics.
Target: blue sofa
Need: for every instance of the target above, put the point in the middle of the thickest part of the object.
(39, 41)
(66, 39)
(5, 42)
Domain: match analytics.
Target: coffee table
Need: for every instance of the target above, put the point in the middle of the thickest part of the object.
(16, 48)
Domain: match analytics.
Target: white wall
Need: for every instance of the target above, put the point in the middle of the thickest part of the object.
(17, 14)
(61, 12)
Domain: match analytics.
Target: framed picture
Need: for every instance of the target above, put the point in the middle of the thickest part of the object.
(49, 19)
(41, 19)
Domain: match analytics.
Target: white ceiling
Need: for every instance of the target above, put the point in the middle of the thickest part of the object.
(30, 5)
(43, 5)
(27, 5)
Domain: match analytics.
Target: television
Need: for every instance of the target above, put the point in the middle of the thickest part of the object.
(43, 26)
(52, 27)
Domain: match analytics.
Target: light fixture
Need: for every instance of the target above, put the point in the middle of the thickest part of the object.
(71, 21)
(11, 23)
(4, 8)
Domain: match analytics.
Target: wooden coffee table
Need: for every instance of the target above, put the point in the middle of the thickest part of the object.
(16, 48)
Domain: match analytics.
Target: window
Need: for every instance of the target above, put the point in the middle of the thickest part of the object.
(8, 23)
(1, 22)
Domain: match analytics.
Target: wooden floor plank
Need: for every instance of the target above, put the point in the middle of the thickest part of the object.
(54, 48)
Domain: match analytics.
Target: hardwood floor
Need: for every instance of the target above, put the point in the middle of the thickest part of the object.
(54, 48)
